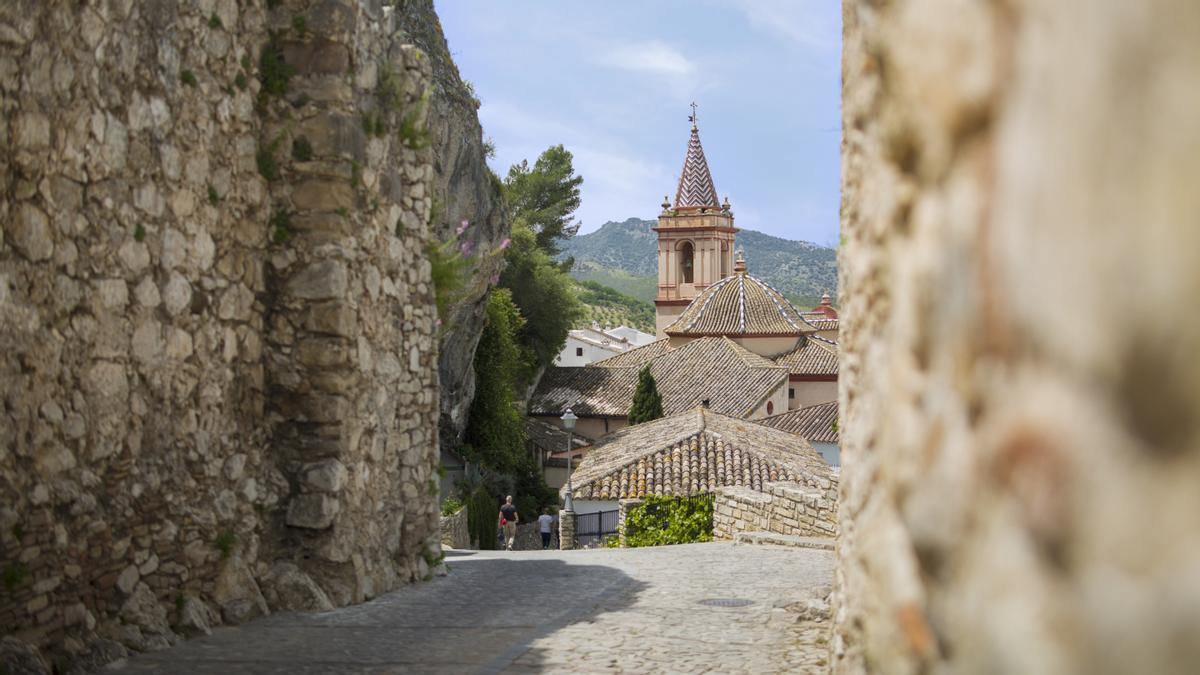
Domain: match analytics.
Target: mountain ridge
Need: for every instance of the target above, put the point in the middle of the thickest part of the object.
(623, 256)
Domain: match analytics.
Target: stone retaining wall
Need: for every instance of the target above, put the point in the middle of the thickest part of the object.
(1020, 270)
(217, 358)
(455, 530)
(785, 508)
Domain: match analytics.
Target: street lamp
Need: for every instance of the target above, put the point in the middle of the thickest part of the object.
(568, 422)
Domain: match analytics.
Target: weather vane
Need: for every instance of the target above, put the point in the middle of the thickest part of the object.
(692, 119)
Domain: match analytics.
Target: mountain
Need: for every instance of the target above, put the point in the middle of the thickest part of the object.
(608, 307)
(623, 256)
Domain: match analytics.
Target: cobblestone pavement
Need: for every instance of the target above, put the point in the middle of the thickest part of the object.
(605, 610)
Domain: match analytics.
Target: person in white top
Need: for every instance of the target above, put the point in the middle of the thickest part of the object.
(544, 523)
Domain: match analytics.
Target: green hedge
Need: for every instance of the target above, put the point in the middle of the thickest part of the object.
(482, 508)
(661, 520)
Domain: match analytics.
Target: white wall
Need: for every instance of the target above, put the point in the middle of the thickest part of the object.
(811, 393)
(591, 353)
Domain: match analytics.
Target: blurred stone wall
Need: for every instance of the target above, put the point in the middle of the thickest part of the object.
(1020, 400)
(218, 362)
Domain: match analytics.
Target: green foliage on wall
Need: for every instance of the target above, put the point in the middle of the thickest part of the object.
(664, 520)
(447, 271)
(647, 402)
(495, 432)
(451, 506)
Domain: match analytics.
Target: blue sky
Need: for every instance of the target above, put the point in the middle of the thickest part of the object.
(612, 81)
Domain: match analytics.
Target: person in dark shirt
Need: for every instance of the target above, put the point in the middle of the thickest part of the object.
(508, 520)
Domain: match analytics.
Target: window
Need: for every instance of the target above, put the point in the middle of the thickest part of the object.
(685, 262)
(770, 407)
(579, 351)
(791, 393)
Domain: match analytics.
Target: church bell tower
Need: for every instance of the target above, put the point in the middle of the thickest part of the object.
(695, 237)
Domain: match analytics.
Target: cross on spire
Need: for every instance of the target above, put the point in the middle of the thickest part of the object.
(693, 118)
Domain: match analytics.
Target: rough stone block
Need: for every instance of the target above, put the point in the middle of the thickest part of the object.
(321, 280)
(313, 511)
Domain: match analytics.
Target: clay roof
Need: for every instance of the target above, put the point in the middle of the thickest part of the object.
(695, 452)
(733, 379)
(550, 437)
(636, 357)
(814, 356)
(695, 183)
(820, 320)
(816, 423)
(740, 304)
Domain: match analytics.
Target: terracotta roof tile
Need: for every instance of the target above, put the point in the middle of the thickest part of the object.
(814, 357)
(696, 452)
(636, 357)
(740, 304)
(733, 379)
(816, 423)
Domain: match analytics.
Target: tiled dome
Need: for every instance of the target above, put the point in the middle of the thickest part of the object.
(740, 305)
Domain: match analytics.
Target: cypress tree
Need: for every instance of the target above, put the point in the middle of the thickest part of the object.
(647, 402)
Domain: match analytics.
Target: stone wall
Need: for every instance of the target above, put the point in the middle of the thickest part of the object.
(217, 341)
(1019, 270)
(455, 530)
(783, 508)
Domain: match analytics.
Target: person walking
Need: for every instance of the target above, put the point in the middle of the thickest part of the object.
(508, 521)
(545, 521)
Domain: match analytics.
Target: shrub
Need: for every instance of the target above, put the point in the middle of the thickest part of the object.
(451, 506)
(663, 520)
(224, 543)
(187, 77)
(482, 508)
(273, 70)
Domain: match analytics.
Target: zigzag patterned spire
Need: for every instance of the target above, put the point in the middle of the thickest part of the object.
(696, 183)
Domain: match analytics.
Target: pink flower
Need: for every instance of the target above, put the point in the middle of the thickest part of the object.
(438, 323)
(462, 227)
(495, 279)
(504, 244)
(466, 247)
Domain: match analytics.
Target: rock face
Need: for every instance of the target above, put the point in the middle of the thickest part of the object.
(464, 189)
(217, 331)
(1021, 263)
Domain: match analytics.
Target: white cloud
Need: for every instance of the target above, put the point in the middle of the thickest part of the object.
(803, 22)
(651, 57)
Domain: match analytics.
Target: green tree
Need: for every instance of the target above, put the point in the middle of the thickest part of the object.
(647, 402)
(545, 197)
(544, 294)
(495, 434)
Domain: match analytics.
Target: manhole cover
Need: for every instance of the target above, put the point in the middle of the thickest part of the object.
(727, 602)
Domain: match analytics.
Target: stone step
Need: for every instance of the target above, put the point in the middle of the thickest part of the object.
(792, 541)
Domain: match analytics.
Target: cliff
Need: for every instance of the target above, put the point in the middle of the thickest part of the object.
(464, 189)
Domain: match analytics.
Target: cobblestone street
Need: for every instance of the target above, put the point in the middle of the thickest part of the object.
(634, 610)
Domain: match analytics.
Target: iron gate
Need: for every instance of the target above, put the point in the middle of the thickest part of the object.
(592, 528)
